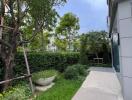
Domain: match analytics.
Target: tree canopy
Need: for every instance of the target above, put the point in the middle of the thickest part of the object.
(68, 28)
(94, 42)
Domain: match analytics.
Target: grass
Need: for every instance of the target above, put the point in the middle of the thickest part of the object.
(62, 90)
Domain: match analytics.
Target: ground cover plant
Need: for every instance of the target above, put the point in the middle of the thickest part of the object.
(20, 91)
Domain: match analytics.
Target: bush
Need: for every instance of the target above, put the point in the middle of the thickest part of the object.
(75, 71)
(43, 74)
(44, 61)
(71, 73)
(81, 69)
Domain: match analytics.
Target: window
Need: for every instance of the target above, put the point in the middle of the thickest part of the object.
(115, 51)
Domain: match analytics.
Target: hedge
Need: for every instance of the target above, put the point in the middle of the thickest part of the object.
(42, 61)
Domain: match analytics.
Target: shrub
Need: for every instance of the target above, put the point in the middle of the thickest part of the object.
(71, 73)
(43, 74)
(81, 69)
(44, 61)
(1, 96)
(75, 71)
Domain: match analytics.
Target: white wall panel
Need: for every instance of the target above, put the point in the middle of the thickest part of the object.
(127, 89)
(125, 27)
(127, 66)
(126, 47)
(124, 9)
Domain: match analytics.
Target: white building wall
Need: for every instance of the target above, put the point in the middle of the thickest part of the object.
(125, 31)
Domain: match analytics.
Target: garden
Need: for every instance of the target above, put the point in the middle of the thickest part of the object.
(55, 75)
(43, 56)
(61, 71)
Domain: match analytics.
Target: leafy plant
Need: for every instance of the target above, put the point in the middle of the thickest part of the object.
(48, 60)
(44, 74)
(1, 96)
(75, 71)
(81, 69)
(71, 73)
(83, 50)
(19, 92)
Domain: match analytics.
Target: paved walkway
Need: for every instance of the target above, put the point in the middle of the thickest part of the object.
(100, 84)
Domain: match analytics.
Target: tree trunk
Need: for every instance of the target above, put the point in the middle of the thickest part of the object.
(8, 69)
(8, 53)
(8, 56)
(96, 55)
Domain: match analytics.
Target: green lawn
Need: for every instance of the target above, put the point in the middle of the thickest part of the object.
(62, 90)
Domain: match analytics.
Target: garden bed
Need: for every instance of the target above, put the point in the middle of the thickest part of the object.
(62, 90)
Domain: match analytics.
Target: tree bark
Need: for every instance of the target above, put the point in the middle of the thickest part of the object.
(8, 70)
(8, 55)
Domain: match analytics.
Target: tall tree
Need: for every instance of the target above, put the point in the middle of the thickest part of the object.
(68, 27)
(94, 42)
(14, 15)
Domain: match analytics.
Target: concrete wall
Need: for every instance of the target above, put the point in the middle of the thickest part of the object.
(124, 20)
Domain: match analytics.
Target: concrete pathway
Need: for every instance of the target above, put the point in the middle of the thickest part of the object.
(100, 84)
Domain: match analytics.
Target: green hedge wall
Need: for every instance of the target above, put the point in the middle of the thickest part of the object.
(41, 61)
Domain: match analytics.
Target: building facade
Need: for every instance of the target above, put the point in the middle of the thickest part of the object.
(120, 31)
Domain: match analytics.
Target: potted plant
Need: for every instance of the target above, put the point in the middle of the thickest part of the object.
(44, 78)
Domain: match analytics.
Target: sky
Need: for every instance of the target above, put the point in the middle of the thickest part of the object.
(92, 13)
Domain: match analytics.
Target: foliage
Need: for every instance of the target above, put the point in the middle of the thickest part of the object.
(62, 90)
(71, 73)
(81, 69)
(43, 74)
(1, 96)
(19, 92)
(94, 43)
(43, 61)
(83, 50)
(67, 29)
(42, 16)
(44, 13)
(76, 44)
(61, 44)
(75, 71)
(47, 60)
